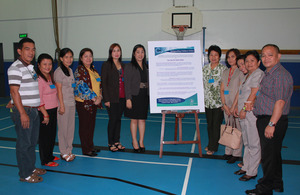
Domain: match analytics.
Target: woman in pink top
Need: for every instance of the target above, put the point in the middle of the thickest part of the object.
(47, 110)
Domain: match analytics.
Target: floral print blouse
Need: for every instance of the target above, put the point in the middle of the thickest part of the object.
(212, 84)
(83, 88)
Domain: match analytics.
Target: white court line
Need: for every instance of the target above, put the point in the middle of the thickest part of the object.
(7, 127)
(148, 120)
(188, 170)
(114, 159)
(4, 118)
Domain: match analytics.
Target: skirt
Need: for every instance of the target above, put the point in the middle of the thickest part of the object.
(140, 104)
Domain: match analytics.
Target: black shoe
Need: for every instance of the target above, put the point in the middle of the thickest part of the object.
(247, 177)
(227, 156)
(280, 189)
(251, 192)
(232, 160)
(240, 172)
(95, 150)
(142, 149)
(92, 154)
(136, 150)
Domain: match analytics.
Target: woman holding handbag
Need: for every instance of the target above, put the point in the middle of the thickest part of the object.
(247, 94)
(230, 82)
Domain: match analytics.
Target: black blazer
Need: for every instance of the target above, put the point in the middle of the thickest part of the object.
(132, 80)
(110, 82)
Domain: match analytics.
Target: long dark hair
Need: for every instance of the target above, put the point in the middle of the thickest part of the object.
(38, 71)
(62, 53)
(111, 48)
(81, 54)
(133, 60)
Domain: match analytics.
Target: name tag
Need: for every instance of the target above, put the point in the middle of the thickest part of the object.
(73, 85)
(226, 92)
(98, 79)
(52, 86)
(211, 80)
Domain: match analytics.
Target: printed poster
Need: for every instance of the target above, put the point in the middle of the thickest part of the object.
(175, 76)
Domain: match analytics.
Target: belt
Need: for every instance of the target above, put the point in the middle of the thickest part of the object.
(31, 106)
(28, 106)
(144, 85)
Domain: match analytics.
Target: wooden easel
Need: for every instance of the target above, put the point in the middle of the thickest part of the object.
(178, 117)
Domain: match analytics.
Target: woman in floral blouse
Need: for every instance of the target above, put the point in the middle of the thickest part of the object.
(87, 96)
(213, 105)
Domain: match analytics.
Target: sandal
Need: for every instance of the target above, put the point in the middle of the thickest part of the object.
(56, 158)
(32, 179)
(210, 152)
(67, 157)
(51, 164)
(72, 156)
(113, 148)
(38, 171)
(120, 146)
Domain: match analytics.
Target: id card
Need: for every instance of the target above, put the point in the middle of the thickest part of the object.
(226, 92)
(211, 80)
(257, 93)
(52, 86)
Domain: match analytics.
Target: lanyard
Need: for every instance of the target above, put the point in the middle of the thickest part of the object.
(229, 77)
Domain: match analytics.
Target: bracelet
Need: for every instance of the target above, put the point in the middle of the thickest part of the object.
(46, 116)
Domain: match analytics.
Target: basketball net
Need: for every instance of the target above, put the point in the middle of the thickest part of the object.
(179, 31)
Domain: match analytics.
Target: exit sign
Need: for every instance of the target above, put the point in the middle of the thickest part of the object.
(23, 35)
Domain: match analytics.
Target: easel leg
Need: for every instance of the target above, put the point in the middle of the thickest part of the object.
(162, 135)
(198, 134)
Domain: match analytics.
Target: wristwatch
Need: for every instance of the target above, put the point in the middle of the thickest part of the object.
(271, 124)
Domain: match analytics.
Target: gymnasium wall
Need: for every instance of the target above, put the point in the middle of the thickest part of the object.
(96, 24)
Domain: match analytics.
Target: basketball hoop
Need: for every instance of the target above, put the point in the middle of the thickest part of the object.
(179, 31)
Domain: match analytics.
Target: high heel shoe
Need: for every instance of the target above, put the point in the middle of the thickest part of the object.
(142, 149)
(136, 150)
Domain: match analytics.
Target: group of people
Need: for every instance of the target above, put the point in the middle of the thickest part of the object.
(255, 102)
(44, 102)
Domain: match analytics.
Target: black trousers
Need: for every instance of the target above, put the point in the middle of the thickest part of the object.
(87, 122)
(271, 154)
(47, 136)
(214, 118)
(115, 113)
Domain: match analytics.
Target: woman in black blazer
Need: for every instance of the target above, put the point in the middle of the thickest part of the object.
(114, 95)
(137, 98)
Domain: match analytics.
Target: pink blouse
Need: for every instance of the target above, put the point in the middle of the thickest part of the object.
(48, 94)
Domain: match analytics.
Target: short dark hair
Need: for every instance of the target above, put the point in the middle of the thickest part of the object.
(133, 60)
(24, 40)
(111, 48)
(62, 53)
(38, 71)
(214, 48)
(235, 51)
(272, 45)
(254, 53)
(81, 54)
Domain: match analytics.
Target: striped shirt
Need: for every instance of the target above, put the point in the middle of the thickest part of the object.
(23, 76)
(277, 84)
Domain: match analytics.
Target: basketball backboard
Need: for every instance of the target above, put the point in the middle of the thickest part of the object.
(182, 15)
